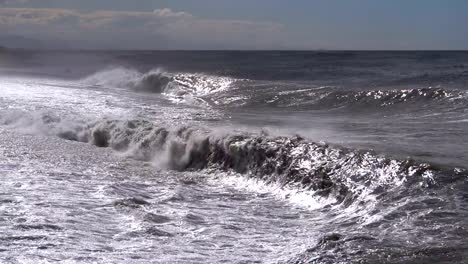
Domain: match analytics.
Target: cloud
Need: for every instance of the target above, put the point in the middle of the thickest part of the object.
(159, 29)
(166, 12)
(9, 2)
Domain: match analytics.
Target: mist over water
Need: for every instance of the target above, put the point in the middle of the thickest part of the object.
(239, 157)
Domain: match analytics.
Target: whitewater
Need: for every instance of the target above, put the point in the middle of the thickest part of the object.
(235, 157)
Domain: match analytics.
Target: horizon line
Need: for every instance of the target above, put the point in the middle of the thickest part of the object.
(231, 50)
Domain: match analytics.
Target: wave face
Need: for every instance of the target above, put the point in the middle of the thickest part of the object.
(176, 86)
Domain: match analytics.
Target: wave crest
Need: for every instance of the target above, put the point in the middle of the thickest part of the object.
(178, 86)
(330, 98)
(332, 172)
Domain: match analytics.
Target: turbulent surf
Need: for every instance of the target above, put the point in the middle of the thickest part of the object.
(196, 157)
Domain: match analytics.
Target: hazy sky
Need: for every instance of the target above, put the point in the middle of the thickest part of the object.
(239, 24)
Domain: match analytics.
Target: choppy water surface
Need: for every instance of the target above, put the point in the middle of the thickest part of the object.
(237, 157)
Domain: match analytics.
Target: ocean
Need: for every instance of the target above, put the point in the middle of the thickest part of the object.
(233, 156)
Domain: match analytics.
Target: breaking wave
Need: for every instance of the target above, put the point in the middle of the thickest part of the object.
(344, 175)
(177, 86)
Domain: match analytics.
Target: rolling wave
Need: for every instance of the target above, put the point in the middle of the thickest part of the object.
(345, 175)
(176, 86)
(332, 98)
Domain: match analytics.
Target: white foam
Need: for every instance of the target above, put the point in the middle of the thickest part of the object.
(179, 87)
(294, 196)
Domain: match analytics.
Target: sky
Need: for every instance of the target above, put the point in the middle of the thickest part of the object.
(236, 24)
